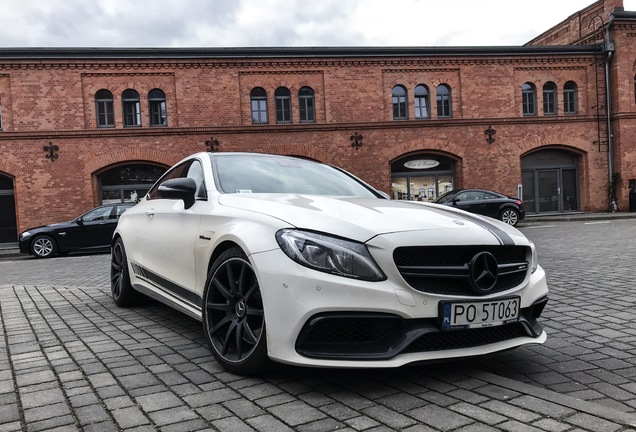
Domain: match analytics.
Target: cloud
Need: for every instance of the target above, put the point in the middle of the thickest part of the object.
(277, 23)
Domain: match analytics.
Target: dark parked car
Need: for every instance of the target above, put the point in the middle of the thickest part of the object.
(92, 231)
(484, 202)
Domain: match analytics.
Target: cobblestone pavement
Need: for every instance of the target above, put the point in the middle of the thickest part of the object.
(71, 360)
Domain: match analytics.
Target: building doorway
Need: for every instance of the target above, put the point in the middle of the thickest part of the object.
(127, 183)
(422, 177)
(550, 181)
(8, 222)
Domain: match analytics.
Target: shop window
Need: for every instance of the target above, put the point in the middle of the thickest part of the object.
(422, 102)
(529, 99)
(258, 102)
(549, 98)
(306, 101)
(570, 98)
(127, 183)
(132, 108)
(399, 103)
(282, 98)
(157, 107)
(443, 101)
(104, 109)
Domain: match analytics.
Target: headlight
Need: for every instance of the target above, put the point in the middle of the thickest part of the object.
(535, 260)
(329, 254)
(25, 235)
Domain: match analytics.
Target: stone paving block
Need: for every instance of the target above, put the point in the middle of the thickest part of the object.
(362, 423)
(515, 426)
(268, 423)
(210, 397)
(66, 422)
(589, 422)
(478, 413)
(158, 401)
(542, 406)
(232, 424)
(243, 408)
(296, 413)
(174, 415)
(511, 411)
(41, 398)
(9, 413)
(324, 425)
(439, 417)
(339, 411)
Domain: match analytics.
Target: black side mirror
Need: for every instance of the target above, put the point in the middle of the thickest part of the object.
(179, 188)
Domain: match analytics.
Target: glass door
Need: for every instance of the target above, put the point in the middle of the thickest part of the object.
(549, 191)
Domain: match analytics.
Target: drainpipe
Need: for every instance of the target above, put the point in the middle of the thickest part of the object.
(608, 47)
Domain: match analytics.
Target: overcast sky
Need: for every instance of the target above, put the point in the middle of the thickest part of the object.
(279, 23)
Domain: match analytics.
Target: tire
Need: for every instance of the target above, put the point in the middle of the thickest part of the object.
(121, 289)
(43, 247)
(233, 315)
(510, 216)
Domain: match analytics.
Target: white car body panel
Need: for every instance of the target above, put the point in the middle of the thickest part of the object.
(170, 248)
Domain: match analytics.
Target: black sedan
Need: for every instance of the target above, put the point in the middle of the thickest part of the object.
(92, 231)
(487, 203)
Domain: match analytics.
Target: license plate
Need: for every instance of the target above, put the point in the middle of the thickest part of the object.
(480, 314)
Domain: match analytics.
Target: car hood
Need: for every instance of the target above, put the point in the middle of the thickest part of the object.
(50, 226)
(364, 218)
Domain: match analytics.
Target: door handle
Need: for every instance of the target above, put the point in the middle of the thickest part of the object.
(150, 213)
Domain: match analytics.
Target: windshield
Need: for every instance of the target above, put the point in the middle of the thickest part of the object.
(254, 173)
(446, 197)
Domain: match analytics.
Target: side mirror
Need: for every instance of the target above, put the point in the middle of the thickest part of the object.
(456, 200)
(181, 189)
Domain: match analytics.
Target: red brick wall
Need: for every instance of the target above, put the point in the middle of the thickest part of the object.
(53, 101)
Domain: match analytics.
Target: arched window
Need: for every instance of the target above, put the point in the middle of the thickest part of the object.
(549, 98)
(282, 97)
(258, 98)
(399, 103)
(307, 106)
(104, 109)
(443, 101)
(422, 102)
(529, 99)
(157, 107)
(132, 108)
(570, 98)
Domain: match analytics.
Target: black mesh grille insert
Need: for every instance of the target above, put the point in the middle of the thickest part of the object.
(445, 269)
(348, 330)
(465, 338)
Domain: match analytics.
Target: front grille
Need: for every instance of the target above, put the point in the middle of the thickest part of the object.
(465, 338)
(445, 269)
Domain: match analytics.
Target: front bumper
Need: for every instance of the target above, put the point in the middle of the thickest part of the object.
(323, 320)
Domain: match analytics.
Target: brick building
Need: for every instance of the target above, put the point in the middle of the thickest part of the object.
(79, 127)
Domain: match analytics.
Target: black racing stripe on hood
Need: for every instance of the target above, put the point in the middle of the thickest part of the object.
(498, 233)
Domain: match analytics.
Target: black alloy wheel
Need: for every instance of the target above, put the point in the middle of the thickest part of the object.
(233, 315)
(121, 288)
(510, 216)
(43, 247)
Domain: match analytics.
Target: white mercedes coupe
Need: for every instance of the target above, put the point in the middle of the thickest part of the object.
(292, 261)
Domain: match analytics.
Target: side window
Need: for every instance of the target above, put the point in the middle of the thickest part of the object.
(104, 109)
(443, 101)
(157, 107)
(398, 95)
(196, 173)
(570, 98)
(282, 98)
(99, 214)
(306, 104)
(176, 172)
(131, 107)
(421, 102)
(529, 99)
(258, 101)
(549, 98)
